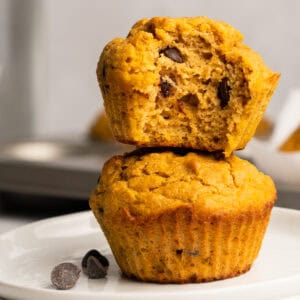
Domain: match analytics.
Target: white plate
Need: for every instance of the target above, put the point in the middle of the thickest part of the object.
(28, 254)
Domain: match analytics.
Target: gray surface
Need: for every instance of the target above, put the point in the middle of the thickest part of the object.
(288, 199)
(53, 168)
(23, 177)
(17, 27)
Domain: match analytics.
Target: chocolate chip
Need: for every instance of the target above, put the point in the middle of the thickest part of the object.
(104, 72)
(139, 152)
(224, 92)
(101, 210)
(94, 265)
(165, 88)
(149, 27)
(179, 251)
(218, 155)
(95, 269)
(172, 53)
(207, 55)
(64, 276)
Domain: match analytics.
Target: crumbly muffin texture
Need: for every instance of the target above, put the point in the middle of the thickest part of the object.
(184, 82)
(179, 216)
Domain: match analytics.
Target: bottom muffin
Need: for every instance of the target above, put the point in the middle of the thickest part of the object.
(173, 216)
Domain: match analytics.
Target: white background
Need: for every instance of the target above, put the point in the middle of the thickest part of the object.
(49, 50)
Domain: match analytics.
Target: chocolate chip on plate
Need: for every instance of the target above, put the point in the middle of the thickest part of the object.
(64, 276)
(173, 53)
(223, 92)
(95, 269)
(94, 264)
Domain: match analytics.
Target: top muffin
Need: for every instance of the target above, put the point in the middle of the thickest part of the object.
(184, 82)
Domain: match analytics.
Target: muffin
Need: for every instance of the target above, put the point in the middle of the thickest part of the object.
(100, 129)
(292, 143)
(264, 129)
(179, 216)
(193, 78)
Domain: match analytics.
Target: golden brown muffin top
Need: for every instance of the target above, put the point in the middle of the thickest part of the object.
(169, 72)
(131, 60)
(148, 184)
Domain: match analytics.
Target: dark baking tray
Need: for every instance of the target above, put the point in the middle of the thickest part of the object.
(55, 167)
(69, 168)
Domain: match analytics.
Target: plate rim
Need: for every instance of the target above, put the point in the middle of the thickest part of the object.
(131, 294)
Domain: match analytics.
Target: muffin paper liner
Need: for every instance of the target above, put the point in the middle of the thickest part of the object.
(182, 246)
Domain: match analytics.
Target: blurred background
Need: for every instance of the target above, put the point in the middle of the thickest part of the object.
(48, 87)
(49, 50)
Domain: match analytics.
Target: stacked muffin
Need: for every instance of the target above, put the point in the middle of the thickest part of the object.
(184, 208)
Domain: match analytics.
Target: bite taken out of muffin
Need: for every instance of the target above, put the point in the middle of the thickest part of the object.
(183, 208)
(193, 78)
